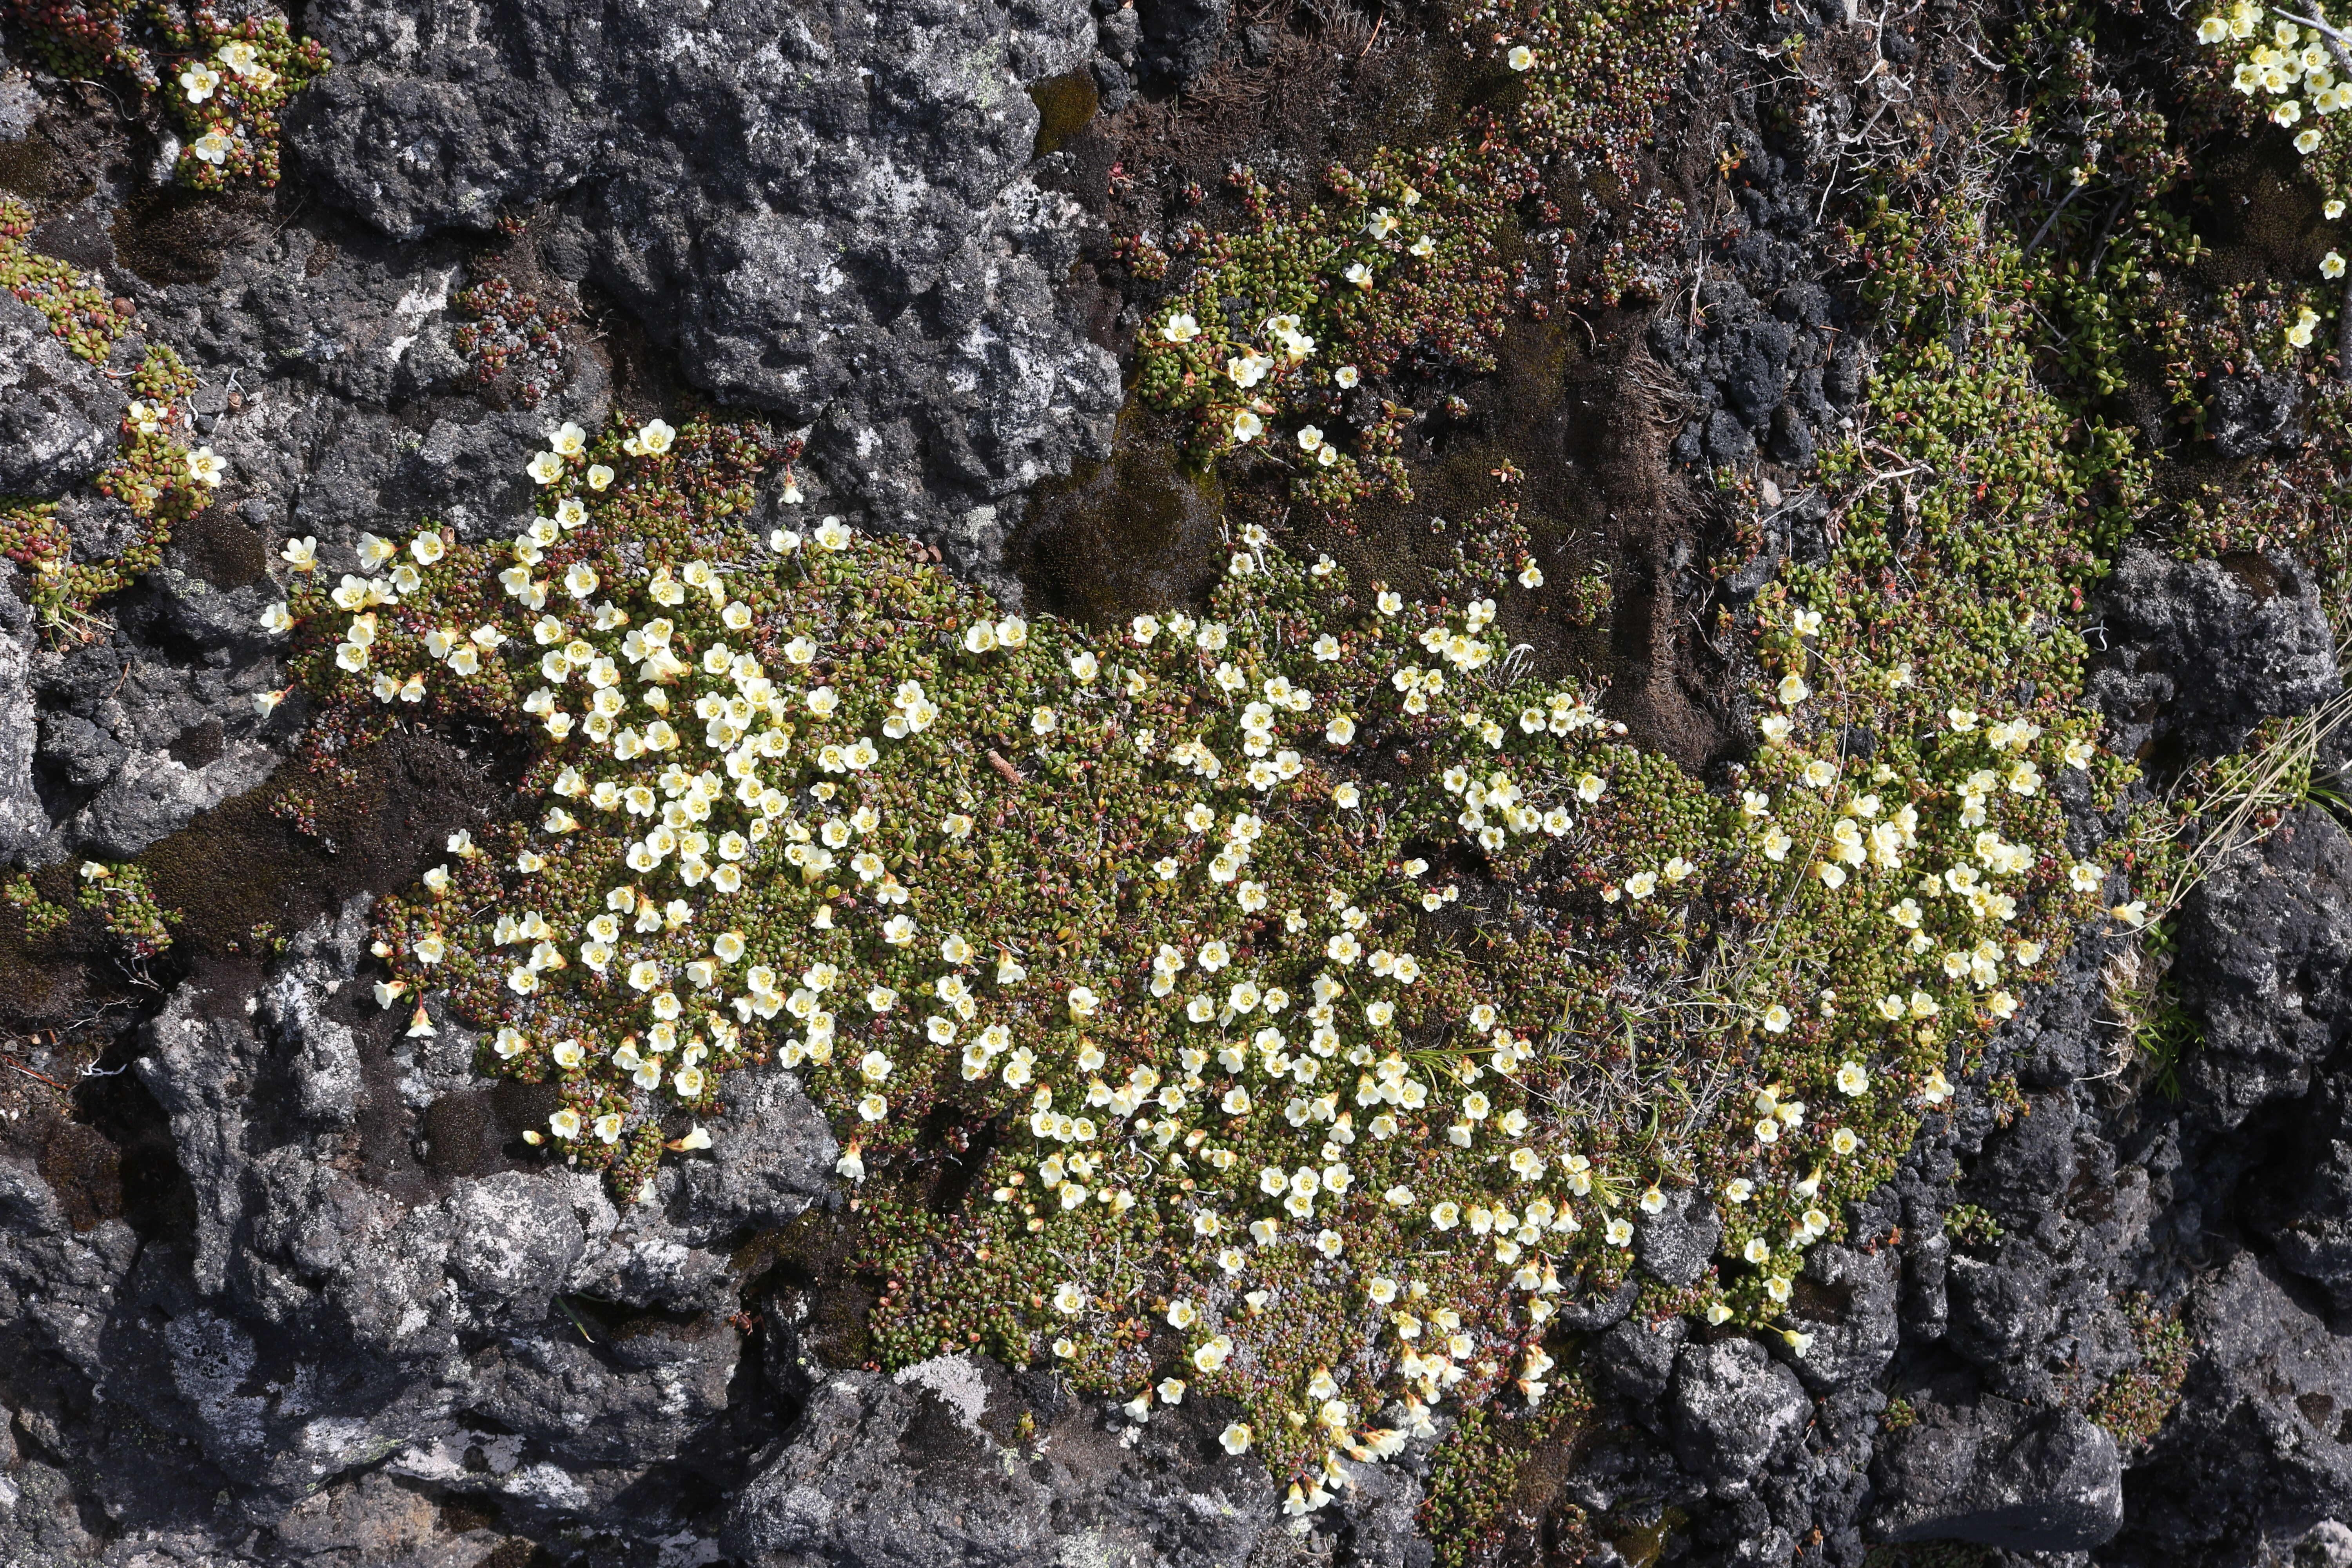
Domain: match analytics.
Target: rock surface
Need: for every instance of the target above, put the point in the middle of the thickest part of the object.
(833, 222)
(1996, 1475)
(57, 415)
(924, 1469)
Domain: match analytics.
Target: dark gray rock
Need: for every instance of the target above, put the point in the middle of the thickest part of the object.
(1727, 440)
(1731, 1407)
(1378, 1524)
(650, 1389)
(2000, 1474)
(1675, 1244)
(2329, 1545)
(1634, 1362)
(2265, 943)
(1849, 1315)
(22, 819)
(2250, 414)
(402, 1310)
(19, 104)
(1591, 1314)
(2257, 1457)
(1120, 34)
(1756, 369)
(772, 1160)
(1180, 38)
(2001, 1314)
(57, 416)
(2302, 1199)
(2200, 651)
(927, 1469)
(835, 225)
(1926, 1304)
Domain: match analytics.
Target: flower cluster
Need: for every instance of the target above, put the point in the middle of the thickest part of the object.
(124, 903)
(1276, 327)
(227, 83)
(2282, 64)
(2287, 70)
(1333, 296)
(1590, 77)
(1278, 956)
(225, 79)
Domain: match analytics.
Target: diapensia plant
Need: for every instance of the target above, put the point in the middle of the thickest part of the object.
(81, 313)
(2289, 67)
(1322, 998)
(227, 80)
(1396, 265)
(224, 78)
(1591, 76)
(1294, 334)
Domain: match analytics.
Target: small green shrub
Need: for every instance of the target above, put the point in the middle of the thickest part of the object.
(124, 903)
(76, 306)
(41, 917)
(154, 474)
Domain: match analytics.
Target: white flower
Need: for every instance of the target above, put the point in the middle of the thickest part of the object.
(544, 468)
(1521, 59)
(1248, 426)
(1248, 370)
(1851, 1078)
(1180, 328)
(1358, 274)
(212, 147)
(654, 437)
(1236, 1437)
(199, 81)
(205, 466)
